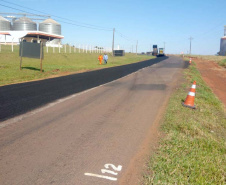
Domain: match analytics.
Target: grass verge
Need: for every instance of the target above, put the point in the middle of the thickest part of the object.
(223, 63)
(193, 150)
(54, 64)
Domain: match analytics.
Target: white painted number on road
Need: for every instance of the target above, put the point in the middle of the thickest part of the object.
(109, 168)
(101, 176)
(119, 168)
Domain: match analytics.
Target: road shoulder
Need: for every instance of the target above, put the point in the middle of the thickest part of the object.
(214, 75)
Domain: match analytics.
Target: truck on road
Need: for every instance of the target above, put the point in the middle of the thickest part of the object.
(161, 52)
(155, 50)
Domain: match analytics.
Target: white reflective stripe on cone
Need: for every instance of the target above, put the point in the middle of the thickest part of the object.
(191, 93)
(193, 86)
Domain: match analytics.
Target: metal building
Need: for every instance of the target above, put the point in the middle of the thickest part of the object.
(5, 24)
(223, 44)
(53, 27)
(24, 24)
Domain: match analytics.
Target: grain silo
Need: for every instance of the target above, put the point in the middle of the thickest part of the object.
(5, 24)
(50, 26)
(223, 44)
(53, 27)
(24, 24)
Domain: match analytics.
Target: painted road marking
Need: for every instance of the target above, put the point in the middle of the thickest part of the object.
(119, 168)
(109, 171)
(107, 166)
(101, 176)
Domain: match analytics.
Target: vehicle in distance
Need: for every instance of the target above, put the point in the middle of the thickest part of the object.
(155, 50)
(161, 52)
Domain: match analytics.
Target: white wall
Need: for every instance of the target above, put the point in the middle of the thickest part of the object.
(7, 39)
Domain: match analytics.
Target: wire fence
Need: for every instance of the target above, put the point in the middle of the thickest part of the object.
(65, 48)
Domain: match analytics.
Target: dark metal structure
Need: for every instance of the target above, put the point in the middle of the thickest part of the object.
(119, 53)
(31, 50)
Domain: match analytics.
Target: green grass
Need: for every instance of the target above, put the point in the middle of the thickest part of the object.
(223, 63)
(54, 64)
(193, 150)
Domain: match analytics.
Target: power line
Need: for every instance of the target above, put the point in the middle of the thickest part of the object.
(64, 20)
(125, 37)
(211, 30)
(16, 9)
(54, 15)
(75, 23)
(25, 14)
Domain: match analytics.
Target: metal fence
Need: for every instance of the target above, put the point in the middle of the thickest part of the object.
(66, 48)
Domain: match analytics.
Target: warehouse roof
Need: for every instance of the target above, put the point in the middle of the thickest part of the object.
(35, 34)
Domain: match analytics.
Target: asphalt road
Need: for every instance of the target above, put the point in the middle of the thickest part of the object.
(90, 138)
(20, 98)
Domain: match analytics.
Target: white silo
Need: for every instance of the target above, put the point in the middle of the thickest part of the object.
(5, 24)
(223, 44)
(24, 24)
(53, 27)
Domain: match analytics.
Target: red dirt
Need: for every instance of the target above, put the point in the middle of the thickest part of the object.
(215, 76)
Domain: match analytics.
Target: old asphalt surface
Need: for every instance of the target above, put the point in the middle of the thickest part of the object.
(96, 137)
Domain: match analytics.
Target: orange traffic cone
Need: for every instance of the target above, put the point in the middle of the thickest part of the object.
(190, 61)
(189, 102)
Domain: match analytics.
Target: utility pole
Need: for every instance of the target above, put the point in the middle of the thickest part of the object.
(136, 47)
(190, 43)
(113, 41)
(164, 46)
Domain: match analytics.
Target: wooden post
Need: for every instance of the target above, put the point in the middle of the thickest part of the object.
(0, 44)
(41, 56)
(12, 43)
(21, 54)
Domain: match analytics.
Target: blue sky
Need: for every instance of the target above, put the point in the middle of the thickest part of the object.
(146, 21)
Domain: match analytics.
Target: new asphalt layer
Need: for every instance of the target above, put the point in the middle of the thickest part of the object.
(20, 98)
